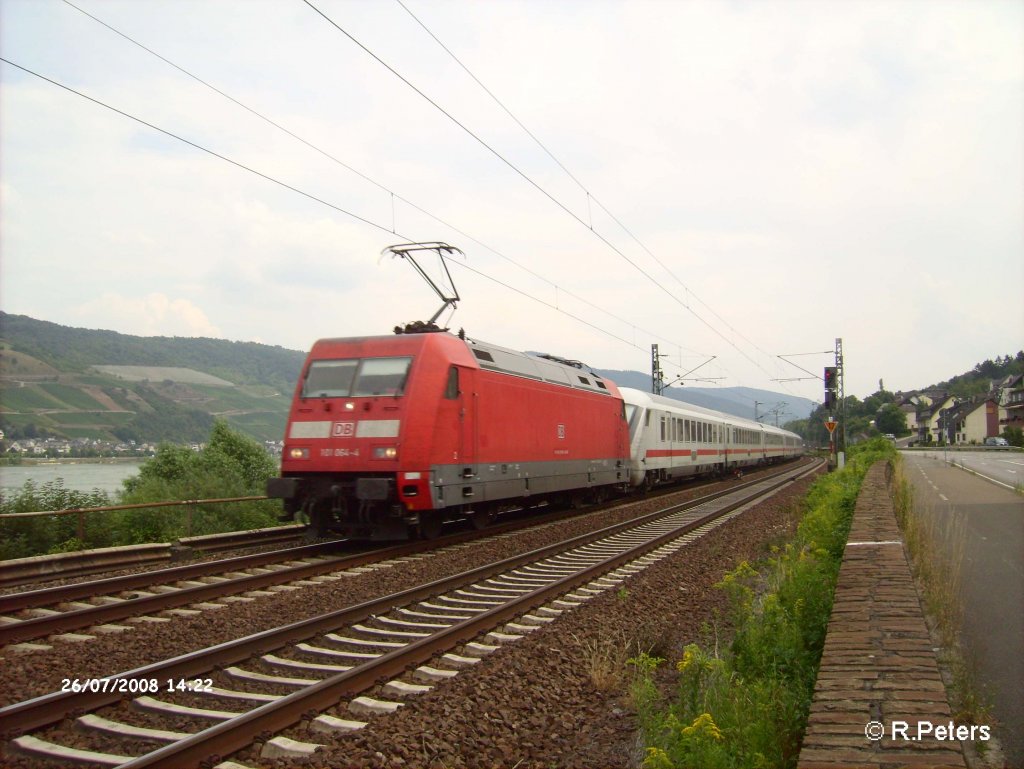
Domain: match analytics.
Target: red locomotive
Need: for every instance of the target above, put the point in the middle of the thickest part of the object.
(390, 436)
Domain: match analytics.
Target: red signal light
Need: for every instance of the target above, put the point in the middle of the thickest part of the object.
(831, 386)
(831, 378)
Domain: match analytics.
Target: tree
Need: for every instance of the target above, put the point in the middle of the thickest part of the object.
(230, 465)
(891, 419)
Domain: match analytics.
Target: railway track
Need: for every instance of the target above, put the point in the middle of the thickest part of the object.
(54, 613)
(37, 618)
(333, 670)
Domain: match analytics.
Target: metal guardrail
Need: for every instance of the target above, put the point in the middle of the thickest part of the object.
(191, 505)
(958, 447)
(19, 571)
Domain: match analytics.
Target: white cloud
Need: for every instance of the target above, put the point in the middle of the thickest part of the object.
(792, 164)
(152, 315)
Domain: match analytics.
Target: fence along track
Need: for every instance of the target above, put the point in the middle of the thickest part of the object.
(21, 571)
(457, 610)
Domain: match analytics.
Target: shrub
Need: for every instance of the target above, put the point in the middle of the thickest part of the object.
(231, 465)
(748, 708)
(23, 537)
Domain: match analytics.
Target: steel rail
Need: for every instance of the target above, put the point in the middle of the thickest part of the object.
(50, 595)
(227, 737)
(80, 618)
(38, 627)
(51, 708)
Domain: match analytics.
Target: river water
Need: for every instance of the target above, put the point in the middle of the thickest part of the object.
(79, 476)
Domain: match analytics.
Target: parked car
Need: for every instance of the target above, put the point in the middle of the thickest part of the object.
(996, 441)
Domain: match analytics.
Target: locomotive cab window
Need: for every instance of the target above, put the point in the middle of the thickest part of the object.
(353, 378)
(451, 390)
(329, 378)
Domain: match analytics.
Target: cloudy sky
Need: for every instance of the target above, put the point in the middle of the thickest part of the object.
(734, 181)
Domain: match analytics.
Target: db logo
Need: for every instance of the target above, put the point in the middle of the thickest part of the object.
(343, 430)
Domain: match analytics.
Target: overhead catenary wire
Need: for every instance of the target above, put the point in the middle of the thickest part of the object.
(382, 227)
(533, 183)
(589, 195)
(193, 144)
(392, 194)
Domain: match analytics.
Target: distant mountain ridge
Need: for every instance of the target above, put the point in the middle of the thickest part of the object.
(72, 349)
(738, 401)
(92, 384)
(89, 383)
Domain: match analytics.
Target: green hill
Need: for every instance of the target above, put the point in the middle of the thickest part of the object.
(85, 383)
(979, 380)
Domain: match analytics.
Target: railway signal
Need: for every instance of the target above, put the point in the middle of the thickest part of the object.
(831, 386)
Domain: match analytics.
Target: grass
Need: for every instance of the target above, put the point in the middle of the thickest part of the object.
(747, 705)
(73, 396)
(606, 657)
(936, 553)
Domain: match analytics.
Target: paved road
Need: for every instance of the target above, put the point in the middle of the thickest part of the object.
(987, 521)
(1006, 467)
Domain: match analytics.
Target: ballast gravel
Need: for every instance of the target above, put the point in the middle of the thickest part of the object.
(532, 703)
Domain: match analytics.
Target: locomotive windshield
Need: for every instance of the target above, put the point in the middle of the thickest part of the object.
(353, 377)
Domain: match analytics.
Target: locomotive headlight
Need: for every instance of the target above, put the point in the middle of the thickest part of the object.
(296, 452)
(385, 452)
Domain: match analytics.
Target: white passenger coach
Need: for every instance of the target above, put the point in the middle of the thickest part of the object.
(670, 439)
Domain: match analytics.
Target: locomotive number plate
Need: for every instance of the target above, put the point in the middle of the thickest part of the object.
(339, 452)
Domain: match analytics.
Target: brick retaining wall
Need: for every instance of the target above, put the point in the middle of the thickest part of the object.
(878, 664)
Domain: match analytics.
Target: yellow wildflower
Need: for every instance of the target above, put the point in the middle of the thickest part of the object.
(690, 655)
(703, 725)
(657, 758)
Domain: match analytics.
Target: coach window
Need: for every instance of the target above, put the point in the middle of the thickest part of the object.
(451, 390)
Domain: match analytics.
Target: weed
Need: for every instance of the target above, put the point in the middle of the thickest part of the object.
(748, 706)
(605, 658)
(937, 556)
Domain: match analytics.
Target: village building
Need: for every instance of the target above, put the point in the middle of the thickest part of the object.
(1011, 402)
(971, 422)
